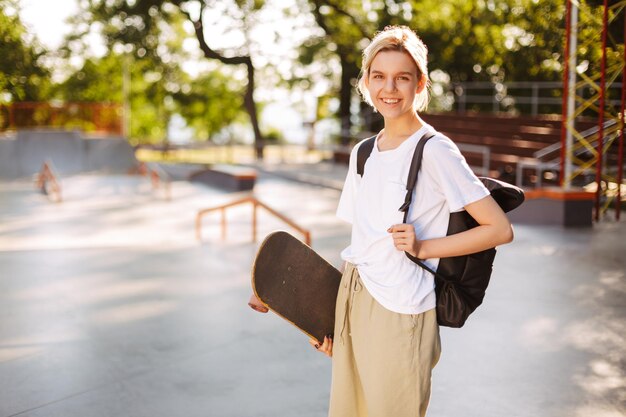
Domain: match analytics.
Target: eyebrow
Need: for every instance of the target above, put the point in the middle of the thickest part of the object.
(400, 73)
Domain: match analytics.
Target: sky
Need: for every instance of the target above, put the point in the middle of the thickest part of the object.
(47, 19)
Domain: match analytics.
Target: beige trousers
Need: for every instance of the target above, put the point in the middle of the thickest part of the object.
(382, 360)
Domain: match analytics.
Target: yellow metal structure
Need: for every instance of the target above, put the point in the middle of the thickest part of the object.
(582, 153)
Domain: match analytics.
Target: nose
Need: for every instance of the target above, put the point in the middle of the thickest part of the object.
(390, 84)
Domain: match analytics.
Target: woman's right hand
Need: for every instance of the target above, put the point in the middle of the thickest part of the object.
(326, 348)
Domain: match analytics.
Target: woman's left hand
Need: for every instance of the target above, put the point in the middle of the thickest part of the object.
(404, 238)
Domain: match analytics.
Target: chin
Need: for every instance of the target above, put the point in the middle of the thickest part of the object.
(393, 115)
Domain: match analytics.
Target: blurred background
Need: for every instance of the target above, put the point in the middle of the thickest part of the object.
(181, 72)
(127, 125)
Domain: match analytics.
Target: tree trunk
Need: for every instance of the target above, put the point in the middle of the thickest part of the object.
(345, 99)
(248, 98)
(250, 105)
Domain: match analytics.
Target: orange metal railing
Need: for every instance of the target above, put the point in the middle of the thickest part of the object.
(48, 181)
(256, 204)
(158, 178)
(104, 118)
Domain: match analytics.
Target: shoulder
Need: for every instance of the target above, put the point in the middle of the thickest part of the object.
(440, 144)
(441, 150)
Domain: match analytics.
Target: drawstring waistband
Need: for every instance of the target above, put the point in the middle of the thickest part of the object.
(353, 285)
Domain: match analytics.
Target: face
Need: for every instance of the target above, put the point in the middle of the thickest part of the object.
(393, 83)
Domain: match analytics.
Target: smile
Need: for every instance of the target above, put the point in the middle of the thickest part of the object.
(390, 100)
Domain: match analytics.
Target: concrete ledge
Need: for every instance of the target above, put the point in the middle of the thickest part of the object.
(71, 153)
(228, 177)
(554, 206)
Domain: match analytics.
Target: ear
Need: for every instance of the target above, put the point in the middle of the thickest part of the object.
(366, 79)
(421, 84)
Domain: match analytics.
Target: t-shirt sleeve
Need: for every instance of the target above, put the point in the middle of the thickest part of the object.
(347, 201)
(454, 177)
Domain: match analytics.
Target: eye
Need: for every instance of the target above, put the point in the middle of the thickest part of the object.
(377, 76)
(403, 78)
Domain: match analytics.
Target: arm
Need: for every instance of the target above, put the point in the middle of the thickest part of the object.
(494, 229)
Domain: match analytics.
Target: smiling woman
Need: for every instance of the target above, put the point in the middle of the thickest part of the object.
(385, 319)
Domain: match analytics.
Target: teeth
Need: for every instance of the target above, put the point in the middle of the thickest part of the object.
(390, 100)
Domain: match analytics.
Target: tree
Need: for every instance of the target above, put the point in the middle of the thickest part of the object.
(207, 104)
(345, 29)
(139, 24)
(23, 77)
(495, 40)
(155, 95)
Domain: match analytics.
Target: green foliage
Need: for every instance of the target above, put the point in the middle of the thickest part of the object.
(479, 40)
(151, 34)
(209, 103)
(274, 136)
(98, 80)
(22, 75)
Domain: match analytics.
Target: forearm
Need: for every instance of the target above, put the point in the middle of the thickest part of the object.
(474, 240)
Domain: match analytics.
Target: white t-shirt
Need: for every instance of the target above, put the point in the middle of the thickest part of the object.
(445, 184)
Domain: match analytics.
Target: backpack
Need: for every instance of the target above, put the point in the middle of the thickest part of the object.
(460, 281)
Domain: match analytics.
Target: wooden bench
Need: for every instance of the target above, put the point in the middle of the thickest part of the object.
(227, 177)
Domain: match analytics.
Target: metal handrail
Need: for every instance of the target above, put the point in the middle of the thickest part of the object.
(255, 203)
(553, 164)
(585, 134)
(48, 178)
(158, 178)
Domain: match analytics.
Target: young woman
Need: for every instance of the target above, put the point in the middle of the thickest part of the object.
(386, 339)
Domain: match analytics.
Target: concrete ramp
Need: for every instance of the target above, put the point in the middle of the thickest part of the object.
(70, 152)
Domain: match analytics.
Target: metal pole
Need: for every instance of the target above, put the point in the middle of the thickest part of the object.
(535, 99)
(564, 108)
(126, 92)
(605, 19)
(571, 95)
(620, 156)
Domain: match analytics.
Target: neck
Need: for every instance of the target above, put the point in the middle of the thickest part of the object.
(398, 130)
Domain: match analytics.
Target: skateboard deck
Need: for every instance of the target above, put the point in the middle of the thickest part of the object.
(293, 281)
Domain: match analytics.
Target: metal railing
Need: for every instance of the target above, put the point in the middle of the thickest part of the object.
(158, 178)
(520, 95)
(87, 116)
(48, 181)
(256, 204)
(540, 165)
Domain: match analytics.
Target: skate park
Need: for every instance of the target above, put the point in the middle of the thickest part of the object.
(112, 306)
(126, 257)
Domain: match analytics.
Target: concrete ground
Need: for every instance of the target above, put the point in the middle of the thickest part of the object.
(110, 307)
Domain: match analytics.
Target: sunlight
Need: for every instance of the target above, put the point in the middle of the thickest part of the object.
(133, 312)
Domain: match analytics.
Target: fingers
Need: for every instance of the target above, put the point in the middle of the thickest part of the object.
(403, 237)
(326, 347)
(402, 231)
(399, 228)
(257, 305)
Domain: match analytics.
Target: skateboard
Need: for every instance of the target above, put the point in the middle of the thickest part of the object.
(292, 280)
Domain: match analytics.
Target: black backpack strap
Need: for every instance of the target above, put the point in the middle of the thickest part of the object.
(416, 164)
(364, 152)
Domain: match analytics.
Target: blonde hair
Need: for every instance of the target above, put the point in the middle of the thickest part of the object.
(402, 39)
